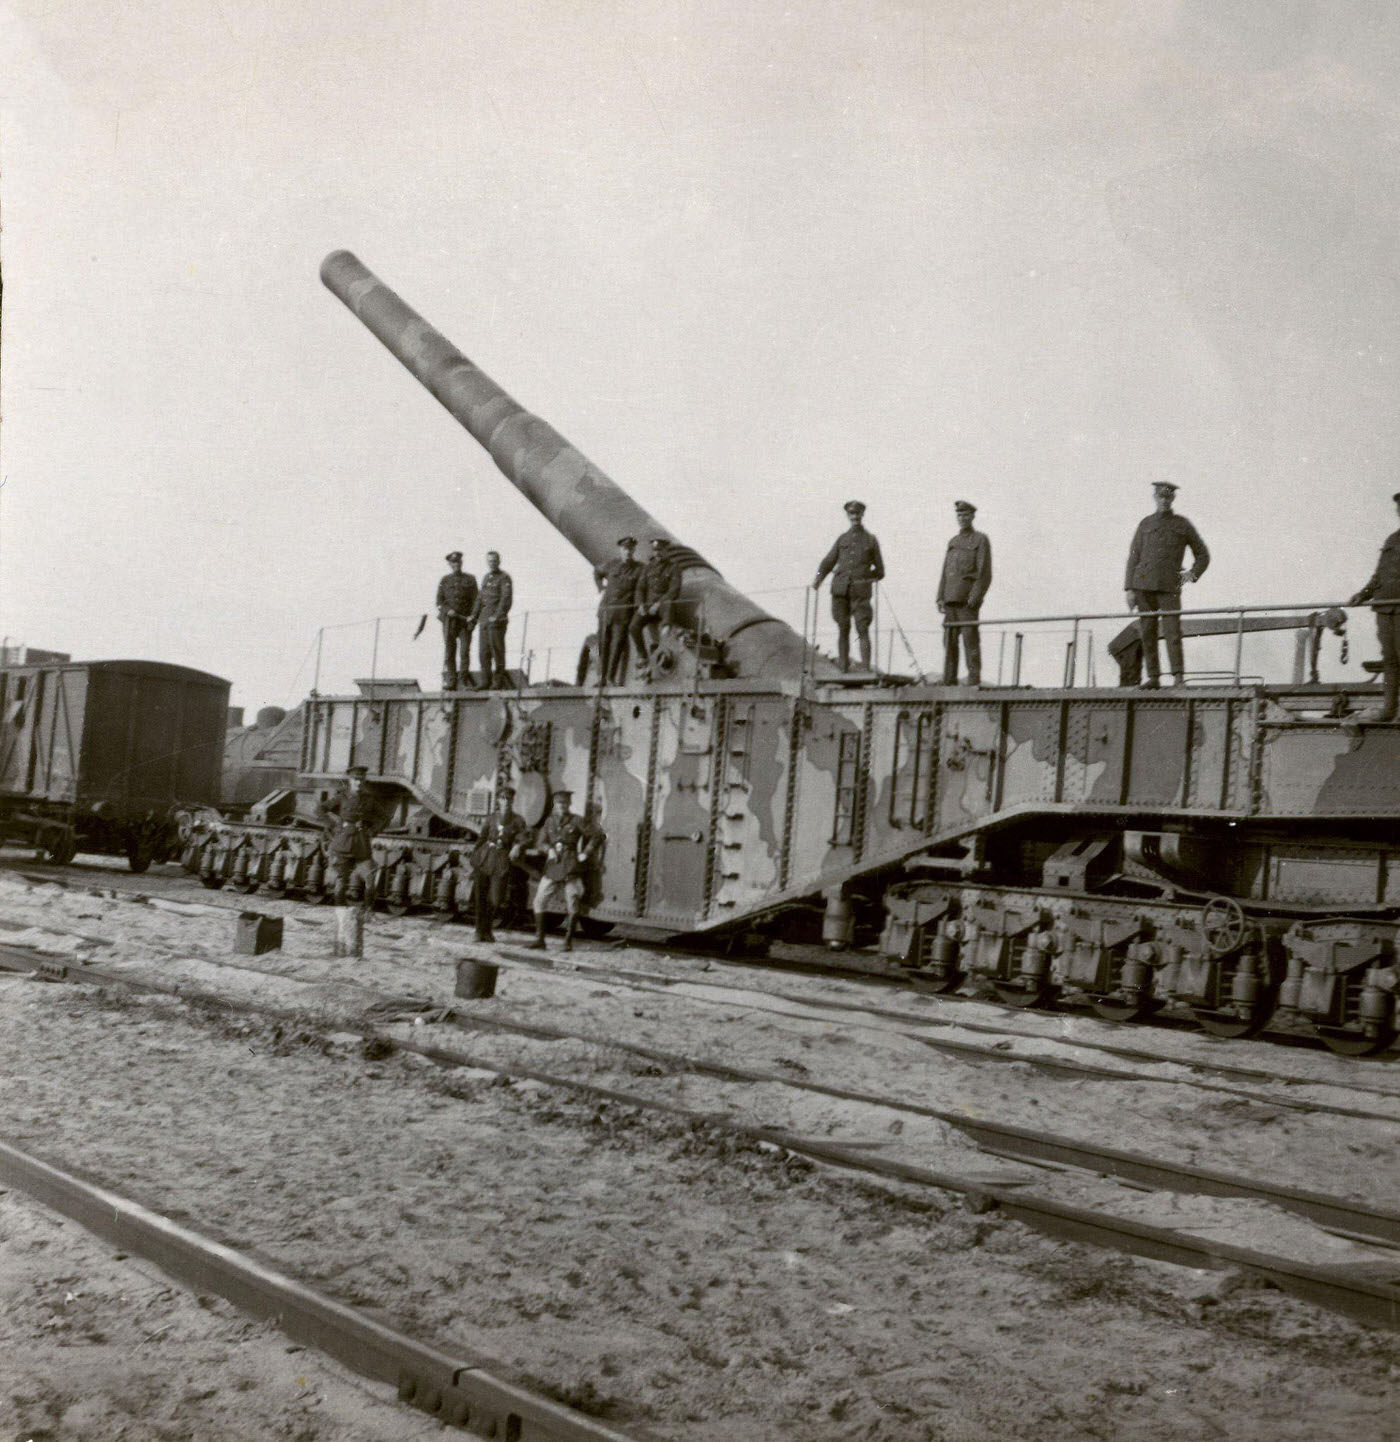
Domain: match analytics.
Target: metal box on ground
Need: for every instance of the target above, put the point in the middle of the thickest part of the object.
(257, 933)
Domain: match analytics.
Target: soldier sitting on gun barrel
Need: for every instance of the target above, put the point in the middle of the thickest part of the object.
(618, 581)
(855, 564)
(1382, 593)
(658, 590)
(456, 600)
(350, 819)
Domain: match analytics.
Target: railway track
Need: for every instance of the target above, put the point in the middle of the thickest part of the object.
(1365, 1290)
(461, 1391)
(943, 1011)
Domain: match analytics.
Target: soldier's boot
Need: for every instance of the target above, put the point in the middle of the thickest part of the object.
(974, 676)
(864, 640)
(843, 649)
(569, 932)
(449, 680)
(538, 943)
(1389, 700)
(484, 919)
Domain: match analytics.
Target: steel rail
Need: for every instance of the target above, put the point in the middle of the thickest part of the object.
(1374, 1301)
(1337, 1214)
(460, 1389)
(1284, 1040)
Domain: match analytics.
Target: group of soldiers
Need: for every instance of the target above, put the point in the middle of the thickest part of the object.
(1152, 584)
(635, 605)
(564, 850)
(464, 607)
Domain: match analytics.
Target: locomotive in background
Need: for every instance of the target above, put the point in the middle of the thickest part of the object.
(1228, 851)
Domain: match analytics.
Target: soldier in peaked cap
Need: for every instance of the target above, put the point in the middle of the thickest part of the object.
(568, 845)
(349, 820)
(854, 564)
(967, 573)
(658, 590)
(618, 581)
(492, 613)
(1155, 578)
(503, 838)
(456, 599)
(1382, 593)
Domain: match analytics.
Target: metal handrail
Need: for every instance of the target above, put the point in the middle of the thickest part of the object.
(1134, 615)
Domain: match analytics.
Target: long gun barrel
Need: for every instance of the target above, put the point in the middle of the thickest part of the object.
(561, 483)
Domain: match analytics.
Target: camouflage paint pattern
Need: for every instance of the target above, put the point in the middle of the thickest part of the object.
(708, 824)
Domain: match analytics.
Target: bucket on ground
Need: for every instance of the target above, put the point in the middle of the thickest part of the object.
(476, 979)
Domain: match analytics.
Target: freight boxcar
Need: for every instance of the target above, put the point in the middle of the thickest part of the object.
(101, 756)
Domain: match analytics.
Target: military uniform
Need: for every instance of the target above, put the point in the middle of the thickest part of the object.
(492, 613)
(493, 859)
(1154, 579)
(658, 590)
(569, 844)
(1382, 593)
(617, 607)
(854, 564)
(456, 599)
(967, 574)
(350, 820)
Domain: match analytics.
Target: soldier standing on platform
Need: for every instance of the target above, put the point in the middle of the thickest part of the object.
(350, 820)
(568, 846)
(855, 564)
(492, 613)
(967, 573)
(1382, 592)
(502, 840)
(658, 590)
(456, 599)
(618, 581)
(1155, 578)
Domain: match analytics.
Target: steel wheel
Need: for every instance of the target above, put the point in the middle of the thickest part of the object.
(934, 985)
(1023, 994)
(1119, 1009)
(1228, 1027)
(1355, 1043)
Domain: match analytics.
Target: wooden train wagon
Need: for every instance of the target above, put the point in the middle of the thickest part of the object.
(101, 756)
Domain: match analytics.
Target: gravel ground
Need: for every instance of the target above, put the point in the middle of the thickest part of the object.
(99, 1347)
(651, 1272)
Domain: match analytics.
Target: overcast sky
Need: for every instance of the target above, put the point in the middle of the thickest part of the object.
(751, 259)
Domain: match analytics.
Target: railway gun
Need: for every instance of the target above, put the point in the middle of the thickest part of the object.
(1228, 849)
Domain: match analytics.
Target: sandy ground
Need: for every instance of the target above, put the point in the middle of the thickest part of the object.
(102, 1347)
(653, 1272)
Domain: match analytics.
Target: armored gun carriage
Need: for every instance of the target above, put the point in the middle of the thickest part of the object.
(1227, 849)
